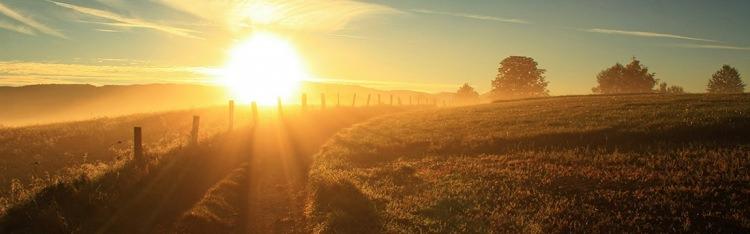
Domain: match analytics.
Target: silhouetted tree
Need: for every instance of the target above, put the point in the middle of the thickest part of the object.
(726, 80)
(631, 78)
(467, 95)
(662, 87)
(666, 89)
(519, 77)
(675, 90)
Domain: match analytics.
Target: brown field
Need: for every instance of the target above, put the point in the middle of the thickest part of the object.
(637, 163)
(177, 187)
(36, 156)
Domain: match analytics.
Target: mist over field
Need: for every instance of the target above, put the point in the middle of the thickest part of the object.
(39, 104)
(42, 104)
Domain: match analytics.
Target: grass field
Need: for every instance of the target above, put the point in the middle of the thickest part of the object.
(231, 182)
(35, 157)
(634, 163)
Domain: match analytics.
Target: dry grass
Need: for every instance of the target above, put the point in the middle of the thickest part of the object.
(220, 209)
(230, 182)
(130, 198)
(35, 157)
(636, 163)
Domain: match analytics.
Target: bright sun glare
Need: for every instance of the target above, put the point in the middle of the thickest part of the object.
(262, 69)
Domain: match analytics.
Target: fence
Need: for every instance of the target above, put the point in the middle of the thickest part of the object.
(138, 154)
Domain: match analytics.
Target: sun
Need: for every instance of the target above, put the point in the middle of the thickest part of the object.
(263, 68)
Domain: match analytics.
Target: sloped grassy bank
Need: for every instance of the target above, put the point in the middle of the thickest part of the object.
(594, 163)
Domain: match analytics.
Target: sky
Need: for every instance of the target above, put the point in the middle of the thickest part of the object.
(426, 45)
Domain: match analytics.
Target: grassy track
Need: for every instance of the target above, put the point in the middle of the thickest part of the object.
(637, 163)
(248, 180)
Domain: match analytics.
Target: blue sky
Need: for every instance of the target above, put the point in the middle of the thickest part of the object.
(407, 44)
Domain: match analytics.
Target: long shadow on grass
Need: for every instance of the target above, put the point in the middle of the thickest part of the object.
(336, 204)
(278, 176)
(135, 198)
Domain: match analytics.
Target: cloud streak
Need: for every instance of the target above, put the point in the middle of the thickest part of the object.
(720, 47)
(473, 16)
(304, 15)
(20, 73)
(122, 21)
(16, 28)
(27, 21)
(645, 34)
(107, 30)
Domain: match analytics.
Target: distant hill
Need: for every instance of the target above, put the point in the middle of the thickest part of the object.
(39, 104)
(54, 103)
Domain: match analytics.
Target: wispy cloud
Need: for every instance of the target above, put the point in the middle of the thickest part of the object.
(16, 28)
(107, 30)
(307, 15)
(645, 34)
(123, 21)
(21, 81)
(27, 21)
(473, 16)
(719, 47)
(20, 73)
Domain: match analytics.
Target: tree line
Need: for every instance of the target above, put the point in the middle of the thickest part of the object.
(520, 77)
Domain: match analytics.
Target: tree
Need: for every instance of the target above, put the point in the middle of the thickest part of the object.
(666, 89)
(663, 87)
(631, 78)
(726, 80)
(675, 90)
(519, 77)
(467, 95)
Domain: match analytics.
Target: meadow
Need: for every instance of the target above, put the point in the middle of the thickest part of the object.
(632, 163)
(34, 157)
(177, 187)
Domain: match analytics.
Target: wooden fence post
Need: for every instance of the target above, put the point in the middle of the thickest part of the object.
(368, 99)
(304, 101)
(137, 144)
(231, 115)
(254, 107)
(410, 100)
(194, 132)
(391, 99)
(379, 103)
(338, 99)
(354, 100)
(399, 101)
(280, 108)
(322, 101)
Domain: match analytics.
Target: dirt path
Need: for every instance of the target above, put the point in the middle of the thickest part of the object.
(268, 194)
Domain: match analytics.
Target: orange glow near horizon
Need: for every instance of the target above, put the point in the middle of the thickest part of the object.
(263, 68)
